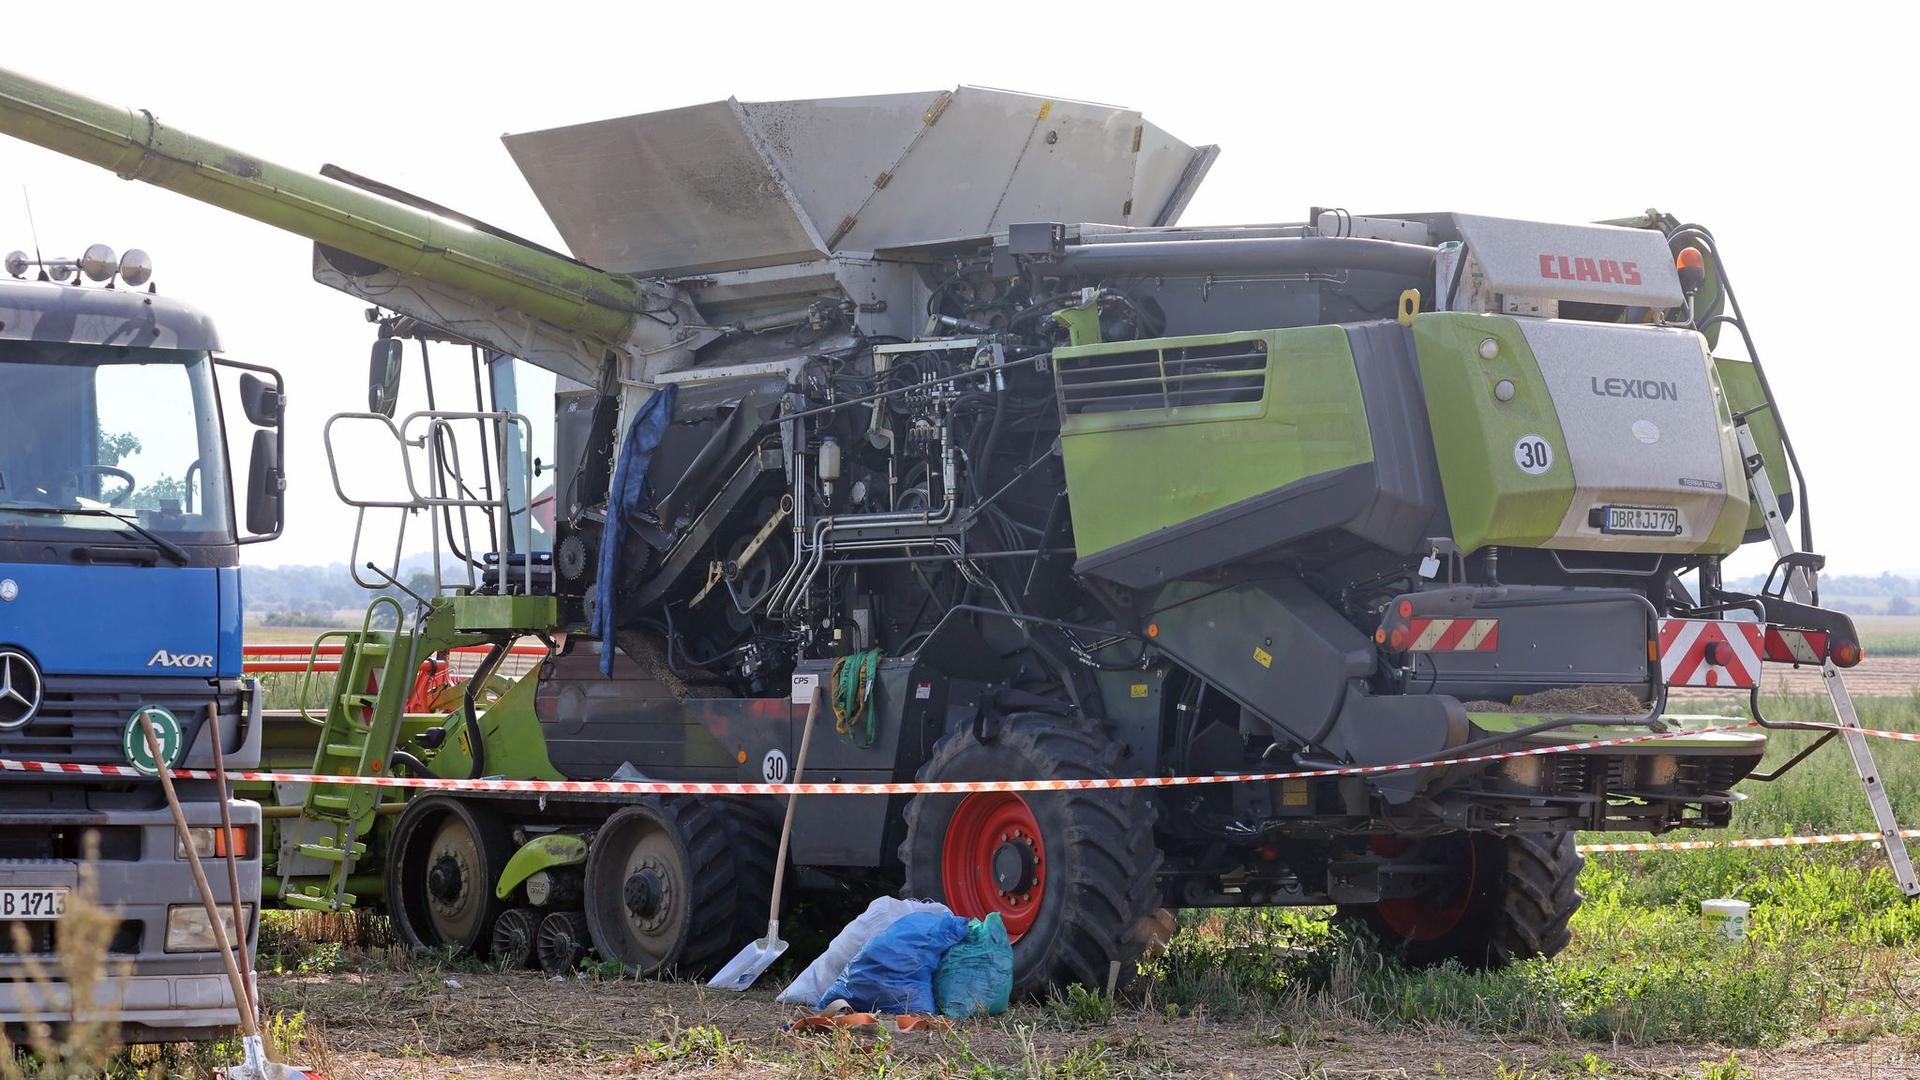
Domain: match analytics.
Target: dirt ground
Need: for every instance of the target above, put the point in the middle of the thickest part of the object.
(495, 1026)
(1877, 676)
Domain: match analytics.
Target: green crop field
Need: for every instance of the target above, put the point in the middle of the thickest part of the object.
(1833, 948)
(1890, 635)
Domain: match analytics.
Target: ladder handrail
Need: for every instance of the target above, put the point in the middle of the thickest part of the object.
(1802, 582)
(431, 431)
(306, 679)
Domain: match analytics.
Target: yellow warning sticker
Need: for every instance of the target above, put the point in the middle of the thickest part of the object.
(1293, 793)
(1262, 657)
(1139, 689)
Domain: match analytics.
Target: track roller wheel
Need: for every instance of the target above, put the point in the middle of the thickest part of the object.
(1510, 899)
(660, 888)
(513, 937)
(561, 941)
(1070, 872)
(444, 857)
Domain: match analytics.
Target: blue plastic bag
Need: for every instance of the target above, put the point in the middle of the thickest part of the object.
(976, 976)
(893, 971)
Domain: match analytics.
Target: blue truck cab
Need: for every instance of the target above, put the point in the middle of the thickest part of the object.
(119, 590)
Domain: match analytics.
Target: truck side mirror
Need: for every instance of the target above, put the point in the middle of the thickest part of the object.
(383, 376)
(264, 486)
(261, 402)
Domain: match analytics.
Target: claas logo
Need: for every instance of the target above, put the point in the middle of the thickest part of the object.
(1581, 268)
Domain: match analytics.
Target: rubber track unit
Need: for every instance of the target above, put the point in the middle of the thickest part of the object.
(1099, 843)
(700, 833)
(710, 930)
(753, 837)
(406, 885)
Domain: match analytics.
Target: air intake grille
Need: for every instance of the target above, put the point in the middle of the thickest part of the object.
(1222, 373)
(83, 717)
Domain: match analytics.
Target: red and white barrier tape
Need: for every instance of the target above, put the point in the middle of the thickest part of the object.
(958, 787)
(1753, 842)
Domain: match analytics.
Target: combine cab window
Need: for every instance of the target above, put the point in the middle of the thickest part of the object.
(92, 427)
(523, 388)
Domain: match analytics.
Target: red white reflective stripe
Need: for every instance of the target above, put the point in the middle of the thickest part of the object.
(1710, 652)
(1796, 646)
(1750, 842)
(1454, 635)
(673, 787)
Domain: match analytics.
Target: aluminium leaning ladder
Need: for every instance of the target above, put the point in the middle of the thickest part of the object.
(1800, 582)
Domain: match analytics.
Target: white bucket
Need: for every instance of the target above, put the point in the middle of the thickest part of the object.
(1728, 918)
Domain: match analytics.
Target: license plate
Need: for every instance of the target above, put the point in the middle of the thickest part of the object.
(33, 903)
(1640, 520)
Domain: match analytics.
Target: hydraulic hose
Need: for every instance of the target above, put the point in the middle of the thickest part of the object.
(1738, 321)
(469, 706)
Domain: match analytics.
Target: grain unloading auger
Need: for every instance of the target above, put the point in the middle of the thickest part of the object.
(852, 395)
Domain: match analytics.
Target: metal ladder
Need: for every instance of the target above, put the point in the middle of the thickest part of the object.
(1800, 582)
(367, 711)
(357, 738)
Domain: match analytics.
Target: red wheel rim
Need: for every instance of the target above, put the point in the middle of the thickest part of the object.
(1423, 918)
(993, 860)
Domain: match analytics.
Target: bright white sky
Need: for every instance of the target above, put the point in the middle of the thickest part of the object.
(1784, 138)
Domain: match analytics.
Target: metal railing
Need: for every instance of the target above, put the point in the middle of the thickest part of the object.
(447, 492)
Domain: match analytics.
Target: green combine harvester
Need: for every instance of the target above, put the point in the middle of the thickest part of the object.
(931, 397)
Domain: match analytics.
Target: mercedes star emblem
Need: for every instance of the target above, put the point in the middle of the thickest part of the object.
(9, 589)
(20, 689)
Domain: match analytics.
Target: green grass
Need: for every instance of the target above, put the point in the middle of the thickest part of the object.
(1833, 948)
(1889, 635)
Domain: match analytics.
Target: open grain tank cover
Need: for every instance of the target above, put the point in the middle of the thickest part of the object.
(733, 184)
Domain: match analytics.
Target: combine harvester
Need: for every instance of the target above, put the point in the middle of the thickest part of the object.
(855, 389)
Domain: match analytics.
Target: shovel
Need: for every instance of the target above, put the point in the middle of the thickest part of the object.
(758, 956)
(254, 1064)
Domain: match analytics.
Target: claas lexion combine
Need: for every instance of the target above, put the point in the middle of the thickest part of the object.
(931, 397)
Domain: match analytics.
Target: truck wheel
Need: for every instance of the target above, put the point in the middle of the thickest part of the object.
(444, 858)
(1070, 872)
(660, 888)
(1516, 896)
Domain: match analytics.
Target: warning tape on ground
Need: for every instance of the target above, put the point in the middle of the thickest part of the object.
(953, 787)
(1751, 842)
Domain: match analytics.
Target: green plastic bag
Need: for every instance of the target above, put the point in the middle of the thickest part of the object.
(976, 975)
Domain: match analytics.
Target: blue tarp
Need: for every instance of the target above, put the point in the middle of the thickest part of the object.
(626, 504)
(893, 971)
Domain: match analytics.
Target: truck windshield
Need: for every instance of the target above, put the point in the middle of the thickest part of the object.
(86, 428)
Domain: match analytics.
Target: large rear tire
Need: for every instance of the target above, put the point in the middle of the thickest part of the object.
(661, 894)
(1070, 872)
(1512, 900)
(444, 858)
